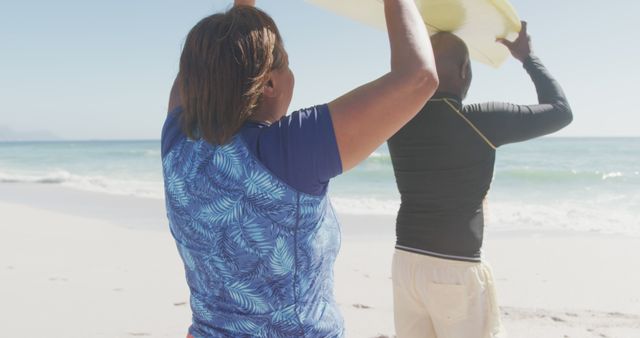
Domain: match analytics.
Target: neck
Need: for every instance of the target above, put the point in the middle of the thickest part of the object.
(445, 88)
(264, 113)
(262, 117)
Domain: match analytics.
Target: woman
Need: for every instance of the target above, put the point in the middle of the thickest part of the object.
(246, 186)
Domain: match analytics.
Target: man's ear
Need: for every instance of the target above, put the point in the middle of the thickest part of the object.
(269, 89)
(464, 70)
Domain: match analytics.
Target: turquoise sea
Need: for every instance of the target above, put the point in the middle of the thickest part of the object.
(585, 184)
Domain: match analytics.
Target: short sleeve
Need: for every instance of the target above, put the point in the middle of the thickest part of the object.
(300, 149)
(171, 131)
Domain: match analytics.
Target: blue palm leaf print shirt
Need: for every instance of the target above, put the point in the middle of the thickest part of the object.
(258, 239)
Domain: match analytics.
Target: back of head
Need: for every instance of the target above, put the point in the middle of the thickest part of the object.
(452, 61)
(225, 63)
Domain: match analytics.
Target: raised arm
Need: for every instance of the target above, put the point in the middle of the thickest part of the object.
(506, 123)
(367, 116)
(244, 2)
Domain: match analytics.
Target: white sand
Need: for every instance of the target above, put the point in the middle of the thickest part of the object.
(69, 276)
(90, 265)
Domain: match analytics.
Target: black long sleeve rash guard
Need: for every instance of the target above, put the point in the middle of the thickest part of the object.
(444, 167)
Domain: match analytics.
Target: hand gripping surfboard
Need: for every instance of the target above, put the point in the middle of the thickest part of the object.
(477, 22)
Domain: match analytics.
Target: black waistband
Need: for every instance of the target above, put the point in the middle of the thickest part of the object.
(438, 255)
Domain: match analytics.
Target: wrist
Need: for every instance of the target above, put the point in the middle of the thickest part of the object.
(244, 2)
(529, 59)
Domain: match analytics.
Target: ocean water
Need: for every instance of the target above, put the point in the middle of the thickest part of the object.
(585, 184)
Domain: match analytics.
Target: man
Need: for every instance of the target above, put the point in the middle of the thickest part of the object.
(443, 162)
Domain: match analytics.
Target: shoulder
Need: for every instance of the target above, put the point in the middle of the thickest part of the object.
(305, 118)
(300, 149)
(307, 125)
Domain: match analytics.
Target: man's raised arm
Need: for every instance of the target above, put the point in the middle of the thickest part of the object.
(506, 123)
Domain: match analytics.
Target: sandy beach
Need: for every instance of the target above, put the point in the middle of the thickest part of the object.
(82, 264)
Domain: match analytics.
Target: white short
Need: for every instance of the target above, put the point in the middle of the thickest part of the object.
(443, 298)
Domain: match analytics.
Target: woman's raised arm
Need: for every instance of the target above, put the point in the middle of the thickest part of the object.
(367, 116)
(244, 3)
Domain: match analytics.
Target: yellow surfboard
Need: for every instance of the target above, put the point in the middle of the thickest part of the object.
(477, 22)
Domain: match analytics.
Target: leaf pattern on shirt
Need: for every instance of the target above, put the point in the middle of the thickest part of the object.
(258, 255)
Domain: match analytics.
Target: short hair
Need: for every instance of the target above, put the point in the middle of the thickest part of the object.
(224, 66)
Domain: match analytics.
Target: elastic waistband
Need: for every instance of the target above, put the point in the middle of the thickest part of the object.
(439, 255)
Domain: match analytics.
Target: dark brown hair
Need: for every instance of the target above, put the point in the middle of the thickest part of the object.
(224, 66)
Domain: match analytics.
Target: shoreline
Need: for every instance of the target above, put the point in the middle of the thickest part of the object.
(149, 212)
(82, 264)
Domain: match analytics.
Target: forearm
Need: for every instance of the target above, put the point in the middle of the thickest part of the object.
(369, 115)
(244, 2)
(506, 123)
(548, 89)
(411, 50)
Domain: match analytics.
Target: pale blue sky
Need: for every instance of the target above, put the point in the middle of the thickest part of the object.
(102, 70)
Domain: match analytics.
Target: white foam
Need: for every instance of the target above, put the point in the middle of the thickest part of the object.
(55, 177)
(597, 211)
(94, 183)
(365, 206)
(610, 175)
(602, 214)
(379, 155)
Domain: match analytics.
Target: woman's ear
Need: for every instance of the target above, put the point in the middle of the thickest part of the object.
(269, 89)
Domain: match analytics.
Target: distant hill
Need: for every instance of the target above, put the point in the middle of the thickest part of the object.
(7, 134)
